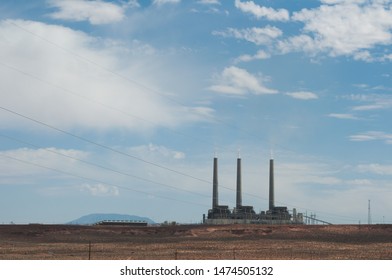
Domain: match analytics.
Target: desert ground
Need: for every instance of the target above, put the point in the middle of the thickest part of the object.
(301, 242)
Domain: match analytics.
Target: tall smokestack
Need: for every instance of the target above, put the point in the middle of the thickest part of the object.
(239, 186)
(215, 184)
(271, 185)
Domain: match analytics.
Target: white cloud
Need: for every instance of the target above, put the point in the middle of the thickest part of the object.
(345, 28)
(238, 81)
(387, 57)
(342, 1)
(23, 162)
(262, 12)
(54, 170)
(360, 183)
(69, 74)
(100, 189)
(163, 2)
(152, 151)
(198, 113)
(375, 168)
(307, 172)
(369, 107)
(256, 35)
(343, 116)
(132, 4)
(372, 136)
(303, 95)
(375, 102)
(259, 55)
(364, 56)
(94, 11)
(315, 185)
(227, 89)
(299, 43)
(209, 2)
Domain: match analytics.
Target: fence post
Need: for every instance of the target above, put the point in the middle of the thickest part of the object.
(89, 250)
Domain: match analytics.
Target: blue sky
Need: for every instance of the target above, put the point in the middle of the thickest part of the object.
(120, 106)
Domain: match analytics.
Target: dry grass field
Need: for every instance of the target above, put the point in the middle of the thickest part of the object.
(66, 242)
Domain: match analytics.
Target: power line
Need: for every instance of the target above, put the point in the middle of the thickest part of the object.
(107, 106)
(151, 90)
(137, 177)
(73, 93)
(82, 58)
(114, 150)
(112, 108)
(141, 85)
(154, 164)
(104, 146)
(119, 152)
(96, 181)
(101, 166)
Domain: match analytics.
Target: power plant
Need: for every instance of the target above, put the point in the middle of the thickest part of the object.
(221, 214)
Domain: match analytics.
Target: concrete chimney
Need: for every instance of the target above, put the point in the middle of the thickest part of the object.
(239, 185)
(215, 184)
(271, 185)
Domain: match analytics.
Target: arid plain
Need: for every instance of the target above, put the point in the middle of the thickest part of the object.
(66, 242)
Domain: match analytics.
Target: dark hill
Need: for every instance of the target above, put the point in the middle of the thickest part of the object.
(95, 218)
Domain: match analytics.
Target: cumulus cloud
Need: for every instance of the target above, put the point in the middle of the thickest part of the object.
(342, 1)
(163, 2)
(100, 189)
(238, 81)
(70, 75)
(132, 4)
(387, 57)
(364, 56)
(153, 151)
(256, 35)
(261, 11)
(247, 58)
(337, 28)
(209, 2)
(94, 11)
(300, 42)
(303, 95)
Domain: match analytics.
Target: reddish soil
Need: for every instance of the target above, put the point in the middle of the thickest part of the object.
(66, 242)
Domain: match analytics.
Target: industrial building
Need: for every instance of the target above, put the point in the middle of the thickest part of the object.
(222, 214)
(121, 223)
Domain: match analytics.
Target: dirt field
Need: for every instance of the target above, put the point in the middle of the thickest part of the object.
(65, 242)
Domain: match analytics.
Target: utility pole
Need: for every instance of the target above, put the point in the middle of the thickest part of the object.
(369, 215)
